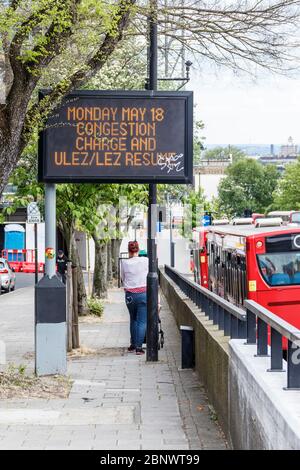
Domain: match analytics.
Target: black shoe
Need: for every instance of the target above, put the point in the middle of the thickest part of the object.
(139, 351)
(131, 348)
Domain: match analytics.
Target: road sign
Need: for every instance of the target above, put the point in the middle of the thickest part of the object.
(206, 219)
(33, 213)
(119, 137)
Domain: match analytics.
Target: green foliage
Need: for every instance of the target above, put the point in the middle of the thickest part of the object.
(15, 376)
(198, 205)
(287, 193)
(96, 306)
(198, 141)
(248, 185)
(172, 192)
(224, 153)
(126, 69)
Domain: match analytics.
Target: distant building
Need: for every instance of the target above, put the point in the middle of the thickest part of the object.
(287, 154)
(279, 162)
(289, 150)
(208, 174)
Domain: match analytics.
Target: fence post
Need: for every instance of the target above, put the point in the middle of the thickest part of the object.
(276, 351)
(293, 366)
(242, 329)
(187, 347)
(210, 309)
(205, 305)
(262, 338)
(69, 306)
(215, 309)
(221, 318)
(234, 334)
(251, 327)
(227, 322)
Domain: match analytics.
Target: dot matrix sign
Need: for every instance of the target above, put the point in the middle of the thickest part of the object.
(119, 136)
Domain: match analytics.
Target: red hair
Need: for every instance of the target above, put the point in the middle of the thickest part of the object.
(133, 247)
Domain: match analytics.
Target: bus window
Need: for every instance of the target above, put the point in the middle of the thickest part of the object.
(295, 218)
(280, 269)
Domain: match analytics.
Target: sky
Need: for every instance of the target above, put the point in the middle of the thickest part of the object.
(239, 110)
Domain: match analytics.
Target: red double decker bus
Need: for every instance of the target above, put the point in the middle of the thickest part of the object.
(258, 263)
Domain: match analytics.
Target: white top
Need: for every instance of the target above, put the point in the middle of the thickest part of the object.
(134, 272)
(14, 228)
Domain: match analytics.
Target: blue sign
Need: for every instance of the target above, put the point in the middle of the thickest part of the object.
(206, 220)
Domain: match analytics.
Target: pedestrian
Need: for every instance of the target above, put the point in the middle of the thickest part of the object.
(61, 262)
(134, 272)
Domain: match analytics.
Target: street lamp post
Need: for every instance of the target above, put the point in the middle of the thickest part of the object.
(152, 278)
(50, 302)
(172, 243)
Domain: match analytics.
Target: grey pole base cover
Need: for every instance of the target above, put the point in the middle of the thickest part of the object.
(50, 327)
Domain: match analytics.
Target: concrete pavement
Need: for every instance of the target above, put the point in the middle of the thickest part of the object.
(117, 401)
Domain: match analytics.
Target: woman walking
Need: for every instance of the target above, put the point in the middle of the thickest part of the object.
(134, 276)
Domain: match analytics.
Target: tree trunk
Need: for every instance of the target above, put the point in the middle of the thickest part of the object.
(69, 236)
(83, 308)
(115, 244)
(100, 269)
(109, 262)
(9, 152)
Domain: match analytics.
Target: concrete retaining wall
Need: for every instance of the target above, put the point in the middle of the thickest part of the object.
(262, 415)
(211, 348)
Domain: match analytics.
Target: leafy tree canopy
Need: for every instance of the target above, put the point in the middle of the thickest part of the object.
(247, 185)
(287, 194)
(224, 153)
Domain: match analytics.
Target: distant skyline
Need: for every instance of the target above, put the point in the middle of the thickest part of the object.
(237, 110)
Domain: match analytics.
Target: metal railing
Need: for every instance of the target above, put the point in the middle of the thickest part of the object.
(257, 325)
(228, 317)
(265, 327)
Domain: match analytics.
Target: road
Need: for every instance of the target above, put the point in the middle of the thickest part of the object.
(25, 280)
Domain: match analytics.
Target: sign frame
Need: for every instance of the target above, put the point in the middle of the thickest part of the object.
(187, 178)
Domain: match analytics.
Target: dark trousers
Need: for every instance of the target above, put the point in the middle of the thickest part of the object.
(137, 307)
(62, 277)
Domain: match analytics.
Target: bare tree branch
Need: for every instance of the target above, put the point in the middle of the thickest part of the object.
(261, 32)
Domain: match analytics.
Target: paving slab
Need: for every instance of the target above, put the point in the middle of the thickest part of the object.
(117, 401)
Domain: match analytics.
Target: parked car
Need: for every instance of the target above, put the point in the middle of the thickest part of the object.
(7, 276)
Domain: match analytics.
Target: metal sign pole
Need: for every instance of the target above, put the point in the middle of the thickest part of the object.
(50, 302)
(36, 254)
(50, 228)
(152, 278)
(172, 244)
